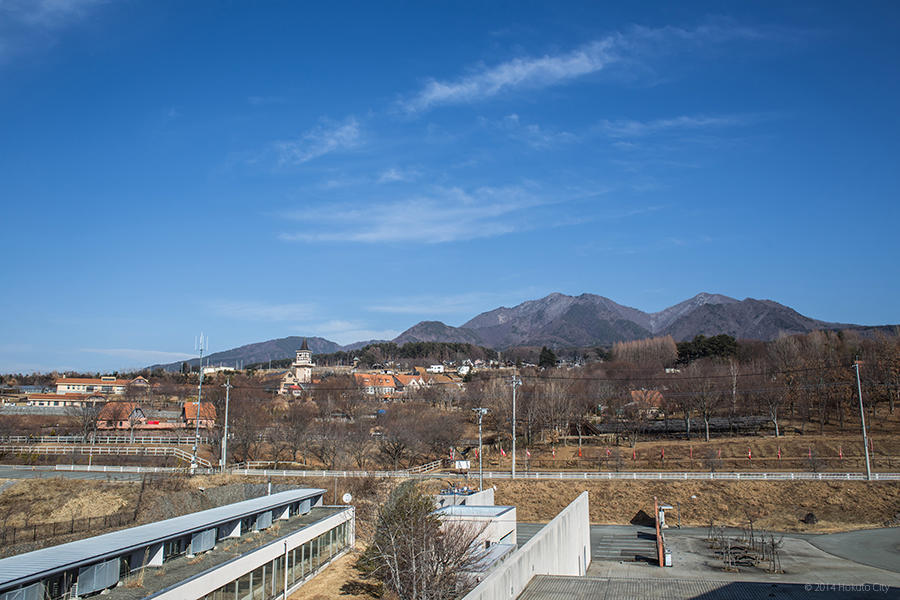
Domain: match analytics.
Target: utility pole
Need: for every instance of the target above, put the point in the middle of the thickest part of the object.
(862, 417)
(227, 387)
(516, 382)
(199, 397)
(480, 412)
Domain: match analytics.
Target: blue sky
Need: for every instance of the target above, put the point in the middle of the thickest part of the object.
(257, 170)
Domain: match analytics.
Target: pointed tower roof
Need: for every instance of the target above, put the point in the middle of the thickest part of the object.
(305, 346)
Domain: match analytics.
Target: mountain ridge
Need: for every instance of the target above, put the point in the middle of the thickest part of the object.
(560, 321)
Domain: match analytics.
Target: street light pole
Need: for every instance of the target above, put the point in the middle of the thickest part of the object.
(862, 418)
(480, 412)
(227, 387)
(516, 382)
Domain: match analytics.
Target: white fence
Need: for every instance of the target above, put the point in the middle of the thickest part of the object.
(101, 439)
(418, 472)
(646, 475)
(93, 450)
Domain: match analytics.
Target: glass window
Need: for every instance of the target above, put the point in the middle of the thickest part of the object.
(258, 583)
(243, 587)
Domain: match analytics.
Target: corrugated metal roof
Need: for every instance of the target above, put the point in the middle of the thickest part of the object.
(31, 566)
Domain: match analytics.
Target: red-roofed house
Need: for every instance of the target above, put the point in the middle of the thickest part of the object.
(120, 415)
(207, 414)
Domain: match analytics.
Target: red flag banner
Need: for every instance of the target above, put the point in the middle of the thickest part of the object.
(579, 450)
(662, 452)
(608, 453)
(809, 452)
(841, 452)
(749, 453)
(502, 453)
(476, 452)
(779, 452)
(554, 453)
(633, 454)
(527, 453)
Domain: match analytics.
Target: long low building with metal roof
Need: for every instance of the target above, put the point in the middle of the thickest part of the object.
(91, 565)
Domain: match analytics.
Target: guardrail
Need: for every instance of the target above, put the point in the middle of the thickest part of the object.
(93, 450)
(101, 439)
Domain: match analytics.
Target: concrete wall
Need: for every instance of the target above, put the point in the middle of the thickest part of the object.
(493, 529)
(562, 547)
(482, 498)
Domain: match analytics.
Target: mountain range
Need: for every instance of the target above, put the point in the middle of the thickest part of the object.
(561, 321)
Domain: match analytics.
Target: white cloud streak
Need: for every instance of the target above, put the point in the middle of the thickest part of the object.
(517, 73)
(628, 128)
(325, 138)
(259, 311)
(395, 175)
(145, 356)
(26, 24)
(444, 304)
(447, 215)
(46, 13)
(347, 332)
(535, 72)
(532, 134)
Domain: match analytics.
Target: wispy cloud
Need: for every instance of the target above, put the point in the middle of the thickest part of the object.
(532, 134)
(347, 332)
(325, 138)
(540, 71)
(46, 13)
(551, 69)
(144, 356)
(260, 311)
(394, 175)
(28, 23)
(445, 215)
(628, 128)
(444, 304)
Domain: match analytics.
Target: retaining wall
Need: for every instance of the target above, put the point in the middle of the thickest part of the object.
(562, 547)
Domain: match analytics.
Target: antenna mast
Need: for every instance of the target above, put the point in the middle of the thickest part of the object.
(199, 397)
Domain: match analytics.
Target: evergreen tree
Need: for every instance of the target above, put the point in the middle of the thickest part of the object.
(547, 359)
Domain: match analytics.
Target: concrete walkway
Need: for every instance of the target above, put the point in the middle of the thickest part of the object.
(548, 587)
(802, 560)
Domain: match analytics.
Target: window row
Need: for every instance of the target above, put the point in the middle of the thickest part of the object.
(268, 581)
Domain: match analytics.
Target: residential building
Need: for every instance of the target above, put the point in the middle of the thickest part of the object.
(121, 415)
(300, 372)
(207, 414)
(104, 385)
(64, 399)
(377, 384)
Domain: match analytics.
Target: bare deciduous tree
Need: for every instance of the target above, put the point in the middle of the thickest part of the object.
(416, 555)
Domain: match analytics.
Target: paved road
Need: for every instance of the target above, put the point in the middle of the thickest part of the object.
(874, 547)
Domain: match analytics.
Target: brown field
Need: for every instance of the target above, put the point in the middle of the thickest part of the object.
(675, 455)
(839, 506)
